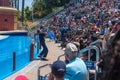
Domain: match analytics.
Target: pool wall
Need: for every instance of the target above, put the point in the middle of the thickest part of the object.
(37, 49)
(15, 53)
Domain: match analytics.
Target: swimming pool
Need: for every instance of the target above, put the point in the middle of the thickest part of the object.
(18, 43)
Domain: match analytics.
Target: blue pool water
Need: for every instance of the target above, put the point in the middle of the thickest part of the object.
(13, 43)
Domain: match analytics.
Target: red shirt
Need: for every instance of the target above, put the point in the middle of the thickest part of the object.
(116, 28)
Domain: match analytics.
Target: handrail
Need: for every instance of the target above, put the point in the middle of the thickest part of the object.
(97, 56)
(98, 41)
(60, 56)
(39, 70)
(43, 66)
(88, 49)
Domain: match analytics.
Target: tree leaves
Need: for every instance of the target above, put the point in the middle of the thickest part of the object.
(44, 7)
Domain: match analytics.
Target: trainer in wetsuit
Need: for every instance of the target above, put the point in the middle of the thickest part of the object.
(44, 52)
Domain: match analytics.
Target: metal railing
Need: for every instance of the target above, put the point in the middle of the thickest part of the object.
(100, 44)
(88, 49)
(44, 77)
(89, 60)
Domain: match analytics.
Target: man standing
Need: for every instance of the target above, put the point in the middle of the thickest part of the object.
(44, 52)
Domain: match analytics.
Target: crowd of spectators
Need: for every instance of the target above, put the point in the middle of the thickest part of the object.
(88, 21)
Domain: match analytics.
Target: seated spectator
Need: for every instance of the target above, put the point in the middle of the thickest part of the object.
(58, 70)
(76, 68)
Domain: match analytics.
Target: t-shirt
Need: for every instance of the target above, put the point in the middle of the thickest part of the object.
(76, 70)
(116, 28)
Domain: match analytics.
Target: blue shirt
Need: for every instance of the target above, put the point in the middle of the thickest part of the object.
(76, 70)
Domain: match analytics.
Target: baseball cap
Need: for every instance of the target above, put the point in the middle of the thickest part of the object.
(70, 47)
(58, 68)
(21, 77)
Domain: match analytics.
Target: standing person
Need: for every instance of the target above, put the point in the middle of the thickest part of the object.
(44, 52)
(76, 68)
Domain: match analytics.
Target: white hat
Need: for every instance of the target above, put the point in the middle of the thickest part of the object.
(70, 47)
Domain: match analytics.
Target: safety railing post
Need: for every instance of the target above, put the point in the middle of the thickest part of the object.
(38, 73)
(32, 51)
(97, 56)
(14, 61)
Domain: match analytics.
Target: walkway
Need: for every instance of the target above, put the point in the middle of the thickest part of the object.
(31, 70)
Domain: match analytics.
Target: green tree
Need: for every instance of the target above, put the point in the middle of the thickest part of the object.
(44, 7)
(38, 9)
(19, 15)
(28, 14)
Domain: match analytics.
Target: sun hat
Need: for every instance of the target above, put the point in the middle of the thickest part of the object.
(70, 47)
(21, 77)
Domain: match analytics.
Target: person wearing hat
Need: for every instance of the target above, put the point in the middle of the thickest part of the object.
(76, 68)
(58, 70)
(21, 77)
